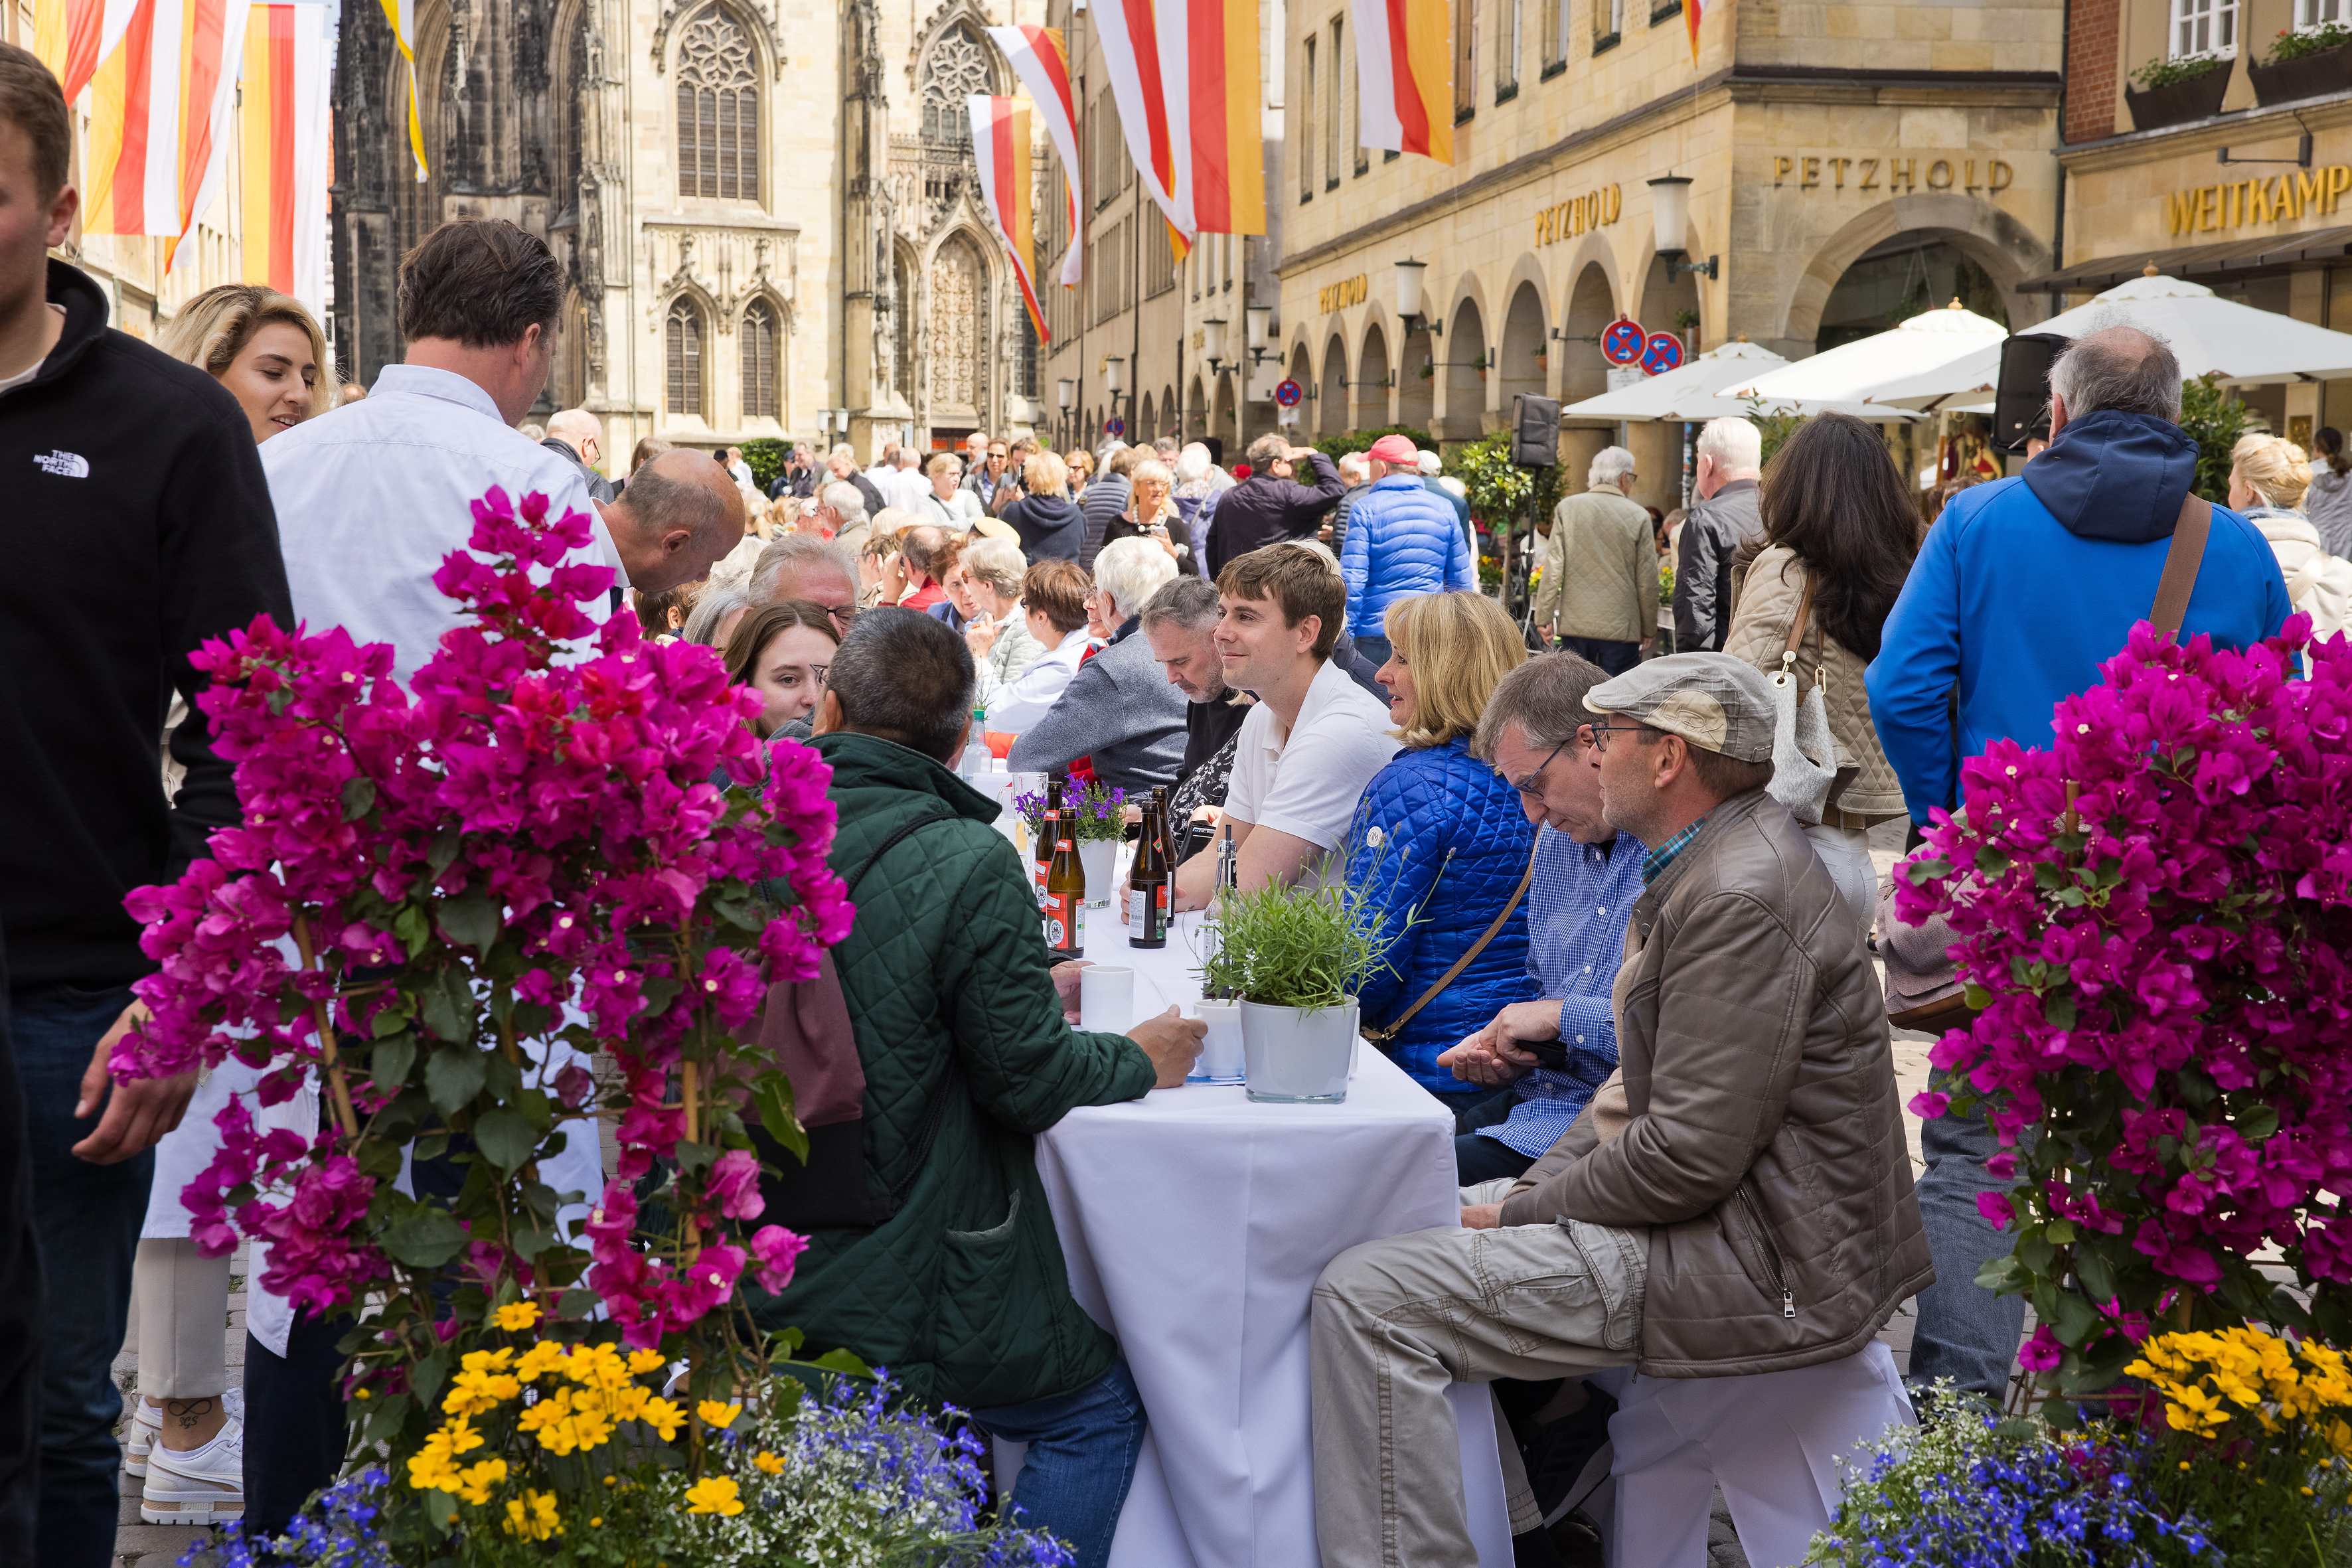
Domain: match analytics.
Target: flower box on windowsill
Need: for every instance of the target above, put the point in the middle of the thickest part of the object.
(2310, 76)
(2178, 104)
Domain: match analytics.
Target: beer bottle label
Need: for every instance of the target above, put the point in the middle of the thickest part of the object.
(1061, 923)
(1139, 904)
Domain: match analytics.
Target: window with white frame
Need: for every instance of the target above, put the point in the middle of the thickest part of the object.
(2310, 13)
(1307, 138)
(2204, 27)
(1511, 24)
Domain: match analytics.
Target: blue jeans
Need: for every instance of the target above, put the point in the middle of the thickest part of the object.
(1478, 1158)
(88, 1219)
(1082, 1449)
(296, 1439)
(1965, 1333)
(20, 1326)
(1614, 658)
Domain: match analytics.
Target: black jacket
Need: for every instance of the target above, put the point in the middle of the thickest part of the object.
(1711, 538)
(139, 526)
(600, 488)
(1051, 527)
(1265, 509)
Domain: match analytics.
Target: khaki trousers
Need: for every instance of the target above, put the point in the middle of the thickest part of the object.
(1394, 1321)
(180, 1308)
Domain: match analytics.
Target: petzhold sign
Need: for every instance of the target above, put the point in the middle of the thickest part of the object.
(2233, 203)
(1837, 173)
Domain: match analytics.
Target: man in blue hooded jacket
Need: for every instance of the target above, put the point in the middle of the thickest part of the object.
(2025, 586)
(1402, 541)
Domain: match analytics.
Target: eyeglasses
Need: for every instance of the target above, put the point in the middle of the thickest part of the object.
(841, 614)
(1532, 786)
(1601, 733)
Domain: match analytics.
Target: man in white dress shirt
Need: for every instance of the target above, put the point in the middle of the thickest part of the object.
(370, 502)
(1314, 739)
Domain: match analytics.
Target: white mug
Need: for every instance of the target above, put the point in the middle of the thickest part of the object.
(1106, 997)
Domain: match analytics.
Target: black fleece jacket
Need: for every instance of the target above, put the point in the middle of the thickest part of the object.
(137, 525)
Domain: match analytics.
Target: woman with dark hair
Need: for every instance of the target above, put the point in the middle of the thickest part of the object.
(1840, 531)
(2329, 503)
(782, 652)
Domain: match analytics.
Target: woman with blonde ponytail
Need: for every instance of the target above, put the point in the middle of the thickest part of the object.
(2268, 481)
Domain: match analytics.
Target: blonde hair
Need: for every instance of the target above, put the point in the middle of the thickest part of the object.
(1459, 645)
(2277, 471)
(1045, 473)
(213, 329)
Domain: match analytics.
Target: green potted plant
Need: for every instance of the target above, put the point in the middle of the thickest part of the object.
(1100, 815)
(1293, 958)
(2175, 91)
(2305, 63)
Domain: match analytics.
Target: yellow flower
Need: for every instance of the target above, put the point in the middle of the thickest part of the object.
(717, 1414)
(597, 1366)
(543, 1358)
(475, 1481)
(769, 1464)
(481, 1385)
(644, 1362)
(533, 1516)
(664, 1417)
(713, 1494)
(514, 1317)
(431, 1471)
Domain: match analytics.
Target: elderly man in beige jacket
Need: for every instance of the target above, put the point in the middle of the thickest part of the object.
(1732, 1215)
(1599, 596)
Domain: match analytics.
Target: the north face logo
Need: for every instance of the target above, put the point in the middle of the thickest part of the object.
(65, 464)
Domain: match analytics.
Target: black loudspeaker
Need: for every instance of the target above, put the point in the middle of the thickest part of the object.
(2021, 402)
(1535, 431)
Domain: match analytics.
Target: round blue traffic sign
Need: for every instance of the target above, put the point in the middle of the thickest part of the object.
(1623, 340)
(1288, 394)
(1114, 426)
(1662, 354)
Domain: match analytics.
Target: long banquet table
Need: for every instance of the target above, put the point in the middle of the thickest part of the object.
(1195, 1224)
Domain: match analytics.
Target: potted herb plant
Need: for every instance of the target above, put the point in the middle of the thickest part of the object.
(2175, 91)
(1100, 816)
(2305, 63)
(1294, 958)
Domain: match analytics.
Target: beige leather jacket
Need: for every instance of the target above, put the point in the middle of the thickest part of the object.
(1763, 1147)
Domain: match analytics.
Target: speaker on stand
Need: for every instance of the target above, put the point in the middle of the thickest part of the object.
(2020, 400)
(1535, 444)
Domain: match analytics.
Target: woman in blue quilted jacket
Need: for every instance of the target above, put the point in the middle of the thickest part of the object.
(1439, 841)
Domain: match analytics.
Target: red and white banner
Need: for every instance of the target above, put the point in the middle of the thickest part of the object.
(1000, 144)
(71, 37)
(1184, 74)
(287, 157)
(1042, 63)
(1405, 64)
(163, 103)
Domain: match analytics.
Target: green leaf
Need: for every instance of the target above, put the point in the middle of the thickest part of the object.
(390, 1019)
(2077, 1319)
(659, 991)
(379, 1158)
(446, 1002)
(426, 1239)
(530, 1241)
(694, 1156)
(470, 920)
(442, 853)
(389, 1062)
(578, 1303)
(2058, 1009)
(358, 797)
(1991, 862)
(414, 929)
(2061, 1231)
(771, 1096)
(1976, 995)
(2255, 1125)
(453, 1078)
(842, 1362)
(506, 1137)
(2097, 1276)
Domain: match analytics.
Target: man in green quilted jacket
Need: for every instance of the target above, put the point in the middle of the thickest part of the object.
(963, 1293)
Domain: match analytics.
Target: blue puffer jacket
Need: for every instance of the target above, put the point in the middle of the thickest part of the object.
(1453, 844)
(1402, 541)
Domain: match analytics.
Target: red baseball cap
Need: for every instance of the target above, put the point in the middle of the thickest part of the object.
(1393, 449)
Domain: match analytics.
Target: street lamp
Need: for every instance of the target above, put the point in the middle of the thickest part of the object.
(1214, 327)
(1115, 376)
(1670, 209)
(1408, 285)
(1065, 390)
(1260, 320)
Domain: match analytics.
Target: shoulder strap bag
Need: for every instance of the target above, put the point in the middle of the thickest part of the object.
(1381, 1034)
(1923, 990)
(1804, 754)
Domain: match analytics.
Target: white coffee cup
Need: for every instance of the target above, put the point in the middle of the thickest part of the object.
(1106, 997)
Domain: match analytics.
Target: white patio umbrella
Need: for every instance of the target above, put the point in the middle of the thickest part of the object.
(2212, 336)
(1850, 372)
(1695, 392)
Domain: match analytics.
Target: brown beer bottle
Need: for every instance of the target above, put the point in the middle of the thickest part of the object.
(1065, 897)
(1147, 883)
(1172, 835)
(1048, 827)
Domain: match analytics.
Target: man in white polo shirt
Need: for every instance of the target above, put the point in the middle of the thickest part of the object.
(1313, 740)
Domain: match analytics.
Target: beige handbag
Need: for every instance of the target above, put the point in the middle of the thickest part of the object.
(1805, 754)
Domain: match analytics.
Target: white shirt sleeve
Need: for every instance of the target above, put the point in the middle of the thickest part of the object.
(1246, 785)
(1321, 776)
(1019, 704)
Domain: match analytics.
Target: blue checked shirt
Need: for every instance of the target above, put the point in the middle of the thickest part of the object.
(1577, 909)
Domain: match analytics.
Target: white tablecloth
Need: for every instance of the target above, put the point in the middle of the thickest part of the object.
(1195, 1224)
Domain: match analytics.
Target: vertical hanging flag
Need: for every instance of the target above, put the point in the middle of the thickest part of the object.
(1042, 63)
(401, 15)
(999, 144)
(1690, 18)
(1184, 74)
(161, 108)
(286, 149)
(1404, 71)
(72, 35)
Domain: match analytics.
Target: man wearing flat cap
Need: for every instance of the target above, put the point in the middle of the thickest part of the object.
(1735, 1203)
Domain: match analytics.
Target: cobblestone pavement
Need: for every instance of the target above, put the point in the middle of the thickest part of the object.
(159, 1545)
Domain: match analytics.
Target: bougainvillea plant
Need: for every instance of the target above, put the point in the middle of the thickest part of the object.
(2155, 914)
(441, 901)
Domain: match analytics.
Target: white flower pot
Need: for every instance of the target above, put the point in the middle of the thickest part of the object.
(1223, 1055)
(1100, 857)
(1295, 1056)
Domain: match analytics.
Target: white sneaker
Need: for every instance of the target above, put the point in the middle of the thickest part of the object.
(196, 1486)
(147, 1426)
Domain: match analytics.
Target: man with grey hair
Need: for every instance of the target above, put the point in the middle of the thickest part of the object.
(580, 435)
(1271, 506)
(1179, 622)
(1599, 596)
(841, 505)
(1730, 457)
(1118, 709)
(680, 515)
(2024, 587)
(1734, 1203)
(803, 566)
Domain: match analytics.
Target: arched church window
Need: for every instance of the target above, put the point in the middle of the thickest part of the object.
(682, 339)
(760, 362)
(718, 110)
(957, 68)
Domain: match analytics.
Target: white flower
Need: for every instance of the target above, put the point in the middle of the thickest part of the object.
(1374, 836)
